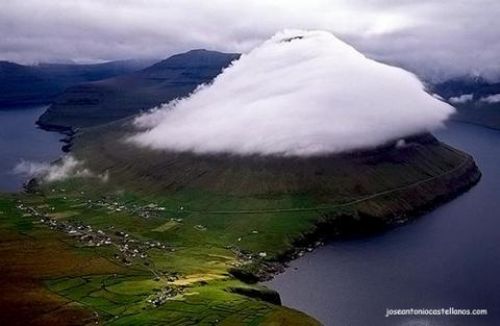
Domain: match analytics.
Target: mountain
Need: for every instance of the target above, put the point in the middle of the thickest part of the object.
(408, 178)
(474, 98)
(203, 228)
(22, 85)
(200, 227)
(95, 103)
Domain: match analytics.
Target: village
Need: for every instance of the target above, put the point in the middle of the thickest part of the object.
(129, 250)
(88, 236)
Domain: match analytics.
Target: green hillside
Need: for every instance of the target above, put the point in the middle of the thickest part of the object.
(386, 184)
(181, 239)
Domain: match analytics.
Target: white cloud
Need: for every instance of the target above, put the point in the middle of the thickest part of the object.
(67, 167)
(436, 39)
(464, 98)
(491, 99)
(299, 93)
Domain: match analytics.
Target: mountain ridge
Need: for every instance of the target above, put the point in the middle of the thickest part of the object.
(95, 103)
(22, 85)
(474, 110)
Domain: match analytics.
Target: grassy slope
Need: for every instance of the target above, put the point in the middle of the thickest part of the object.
(28, 255)
(90, 282)
(279, 198)
(219, 214)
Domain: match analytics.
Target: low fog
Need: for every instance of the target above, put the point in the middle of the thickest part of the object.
(491, 98)
(464, 98)
(67, 167)
(299, 93)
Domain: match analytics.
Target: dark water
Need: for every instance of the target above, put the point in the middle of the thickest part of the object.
(20, 139)
(447, 258)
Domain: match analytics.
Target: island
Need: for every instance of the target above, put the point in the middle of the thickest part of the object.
(121, 234)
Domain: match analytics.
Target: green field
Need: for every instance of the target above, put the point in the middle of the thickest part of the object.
(179, 239)
(163, 278)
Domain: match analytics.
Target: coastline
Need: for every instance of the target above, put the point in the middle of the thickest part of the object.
(68, 132)
(334, 227)
(23, 140)
(414, 261)
(330, 227)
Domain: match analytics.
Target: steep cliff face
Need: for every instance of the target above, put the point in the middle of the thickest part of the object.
(329, 178)
(386, 209)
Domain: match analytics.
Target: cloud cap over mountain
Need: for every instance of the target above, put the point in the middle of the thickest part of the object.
(299, 93)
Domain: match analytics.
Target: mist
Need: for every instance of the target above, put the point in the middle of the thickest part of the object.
(495, 98)
(67, 167)
(299, 93)
(464, 98)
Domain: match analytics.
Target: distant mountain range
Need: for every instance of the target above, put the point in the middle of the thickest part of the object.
(476, 100)
(90, 95)
(95, 103)
(22, 85)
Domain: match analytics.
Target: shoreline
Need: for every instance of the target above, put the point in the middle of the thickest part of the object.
(357, 223)
(39, 145)
(332, 228)
(68, 132)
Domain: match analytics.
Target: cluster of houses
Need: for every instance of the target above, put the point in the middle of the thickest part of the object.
(128, 248)
(146, 211)
(84, 233)
(132, 248)
(163, 295)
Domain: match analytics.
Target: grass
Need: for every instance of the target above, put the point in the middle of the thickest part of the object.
(118, 294)
(194, 220)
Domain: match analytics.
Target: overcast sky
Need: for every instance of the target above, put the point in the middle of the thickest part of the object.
(440, 38)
